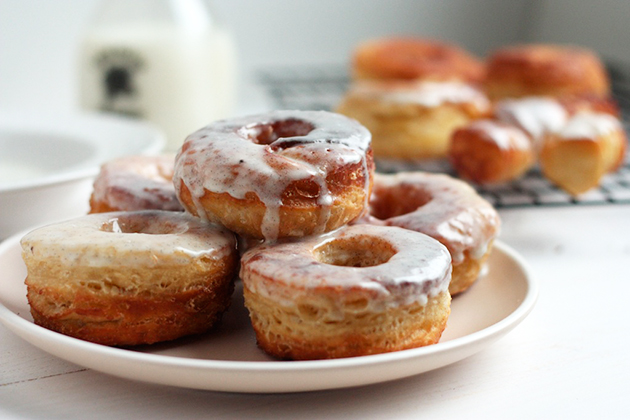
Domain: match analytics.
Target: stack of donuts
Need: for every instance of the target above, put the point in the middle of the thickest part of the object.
(335, 260)
(492, 120)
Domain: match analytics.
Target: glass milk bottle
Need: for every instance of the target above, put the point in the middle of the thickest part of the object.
(166, 61)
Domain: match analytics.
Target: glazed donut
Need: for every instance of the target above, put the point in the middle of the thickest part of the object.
(537, 116)
(135, 183)
(412, 58)
(545, 70)
(444, 208)
(489, 151)
(282, 174)
(504, 148)
(356, 291)
(495, 150)
(129, 278)
(589, 146)
(413, 120)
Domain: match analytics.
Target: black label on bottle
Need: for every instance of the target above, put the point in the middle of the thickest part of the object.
(118, 69)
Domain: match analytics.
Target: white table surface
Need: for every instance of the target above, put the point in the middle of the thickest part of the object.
(568, 359)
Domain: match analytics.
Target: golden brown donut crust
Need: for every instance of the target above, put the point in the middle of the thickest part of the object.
(130, 288)
(446, 209)
(477, 157)
(127, 318)
(408, 130)
(545, 70)
(358, 291)
(282, 174)
(577, 165)
(300, 214)
(412, 58)
(398, 329)
(135, 183)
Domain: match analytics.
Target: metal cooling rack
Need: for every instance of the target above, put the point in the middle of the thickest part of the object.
(321, 88)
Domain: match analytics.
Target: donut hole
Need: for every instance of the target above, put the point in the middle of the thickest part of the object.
(145, 225)
(267, 133)
(363, 251)
(397, 201)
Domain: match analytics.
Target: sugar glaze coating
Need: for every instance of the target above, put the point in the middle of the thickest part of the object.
(149, 237)
(135, 183)
(537, 116)
(589, 125)
(442, 207)
(427, 93)
(503, 135)
(418, 269)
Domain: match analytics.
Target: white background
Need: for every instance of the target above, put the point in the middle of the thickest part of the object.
(39, 38)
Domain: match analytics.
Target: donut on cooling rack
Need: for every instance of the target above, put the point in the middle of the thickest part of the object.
(588, 147)
(526, 130)
(412, 121)
(537, 116)
(356, 291)
(135, 183)
(488, 151)
(504, 147)
(446, 209)
(414, 59)
(545, 70)
(129, 278)
(281, 174)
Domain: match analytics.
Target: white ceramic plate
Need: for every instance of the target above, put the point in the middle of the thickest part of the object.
(228, 359)
(46, 156)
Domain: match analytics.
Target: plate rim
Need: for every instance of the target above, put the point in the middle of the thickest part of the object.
(33, 333)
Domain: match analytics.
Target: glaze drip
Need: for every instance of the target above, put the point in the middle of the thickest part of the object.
(264, 154)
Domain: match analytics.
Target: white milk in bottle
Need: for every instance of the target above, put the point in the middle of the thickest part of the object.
(166, 61)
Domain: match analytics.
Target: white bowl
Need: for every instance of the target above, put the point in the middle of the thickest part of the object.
(48, 162)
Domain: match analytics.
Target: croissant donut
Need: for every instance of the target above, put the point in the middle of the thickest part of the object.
(413, 120)
(412, 58)
(282, 174)
(135, 183)
(446, 209)
(489, 151)
(545, 70)
(356, 291)
(588, 147)
(129, 278)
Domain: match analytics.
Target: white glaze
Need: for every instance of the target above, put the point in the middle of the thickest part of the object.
(222, 158)
(98, 240)
(455, 214)
(427, 94)
(589, 125)
(137, 183)
(419, 269)
(506, 137)
(537, 116)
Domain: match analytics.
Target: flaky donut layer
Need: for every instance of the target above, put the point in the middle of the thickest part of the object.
(302, 331)
(413, 120)
(129, 278)
(591, 145)
(356, 291)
